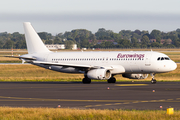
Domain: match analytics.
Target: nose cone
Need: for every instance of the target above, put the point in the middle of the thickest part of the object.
(173, 66)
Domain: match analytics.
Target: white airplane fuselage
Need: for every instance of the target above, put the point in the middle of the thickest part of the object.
(132, 62)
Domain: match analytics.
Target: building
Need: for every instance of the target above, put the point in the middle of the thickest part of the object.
(74, 47)
(55, 46)
(169, 41)
(152, 40)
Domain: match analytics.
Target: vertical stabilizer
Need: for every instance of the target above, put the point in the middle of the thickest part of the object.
(33, 41)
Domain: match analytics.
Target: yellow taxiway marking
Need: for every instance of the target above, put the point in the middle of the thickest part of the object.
(169, 99)
(153, 100)
(110, 102)
(98, 105)
(131, 85)
(144, 101)
(88, 106)
(134, 102)
(4, 98)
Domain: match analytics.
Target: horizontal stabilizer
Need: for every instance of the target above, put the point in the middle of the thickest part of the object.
(26, 58)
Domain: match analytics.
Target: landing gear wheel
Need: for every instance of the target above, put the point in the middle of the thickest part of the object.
(153, 81)
(86, 81)
(111, 80)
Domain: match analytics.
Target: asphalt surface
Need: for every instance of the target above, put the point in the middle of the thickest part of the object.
(97, 95)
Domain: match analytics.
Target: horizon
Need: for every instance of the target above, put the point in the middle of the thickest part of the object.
(59, 16)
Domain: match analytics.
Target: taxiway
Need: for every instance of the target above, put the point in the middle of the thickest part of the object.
(97, 95)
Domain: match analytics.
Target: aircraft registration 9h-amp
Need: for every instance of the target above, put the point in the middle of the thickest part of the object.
(96, 65)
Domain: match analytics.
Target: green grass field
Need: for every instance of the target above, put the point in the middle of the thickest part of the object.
(7, 113)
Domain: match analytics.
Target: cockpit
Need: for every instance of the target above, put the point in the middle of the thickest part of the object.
(163, 58)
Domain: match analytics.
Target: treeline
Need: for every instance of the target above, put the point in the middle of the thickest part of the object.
(101, 39)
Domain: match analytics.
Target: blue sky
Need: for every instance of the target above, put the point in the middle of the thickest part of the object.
(55, 16)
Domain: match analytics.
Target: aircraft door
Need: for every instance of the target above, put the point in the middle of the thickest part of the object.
(46, 57)
(148, 59)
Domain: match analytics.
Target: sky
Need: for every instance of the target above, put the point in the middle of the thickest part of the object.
(59, 16)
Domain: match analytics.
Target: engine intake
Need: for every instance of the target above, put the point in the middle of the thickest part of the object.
(99, 74)
(135, 76)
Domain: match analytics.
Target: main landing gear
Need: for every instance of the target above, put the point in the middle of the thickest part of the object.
(153, 81)
(111, 80)
(86, 80)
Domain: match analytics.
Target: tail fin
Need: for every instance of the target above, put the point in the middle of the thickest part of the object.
(33, 41)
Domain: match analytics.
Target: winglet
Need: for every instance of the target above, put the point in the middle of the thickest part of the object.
(33, 41)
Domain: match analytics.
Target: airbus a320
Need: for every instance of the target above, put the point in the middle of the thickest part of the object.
(96, 65)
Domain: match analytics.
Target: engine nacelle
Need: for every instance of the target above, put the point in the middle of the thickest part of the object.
(135, 76)
(99, 74)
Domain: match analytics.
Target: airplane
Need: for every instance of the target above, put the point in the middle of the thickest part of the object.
(96, 65)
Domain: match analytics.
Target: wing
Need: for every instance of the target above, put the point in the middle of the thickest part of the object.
(20, 57)
(79, 66)
(115, 69)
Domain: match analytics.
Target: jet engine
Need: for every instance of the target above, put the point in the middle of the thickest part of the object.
(135, 76)
(99, 74)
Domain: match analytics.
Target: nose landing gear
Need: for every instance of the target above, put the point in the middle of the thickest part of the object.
(153, 81)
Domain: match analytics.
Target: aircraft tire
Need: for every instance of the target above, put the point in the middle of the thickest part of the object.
(111, 80)
(86, 81)
(153, 81)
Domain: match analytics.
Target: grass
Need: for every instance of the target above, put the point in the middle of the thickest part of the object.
(34, 73)
(7, 113)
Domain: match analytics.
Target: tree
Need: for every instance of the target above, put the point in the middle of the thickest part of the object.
(1, 44)
(178, 30)
(135, 42)
(177, 43)
(137, 32)
(8, 45)
(103, 34)
(57, 40)
(126, 34)
(145, 41)
(68, 44)
(155, 34)
(158, 39)
(48, 42)
(156, 45)
(20, 44)
(124, 43)
(45, 35)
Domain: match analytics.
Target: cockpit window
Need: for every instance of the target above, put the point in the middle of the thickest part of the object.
(166, 58)
(163, 58)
